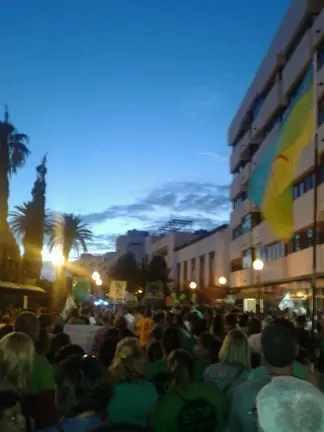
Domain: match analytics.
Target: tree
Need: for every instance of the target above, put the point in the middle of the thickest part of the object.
(13, 155)
(69, 233)
(158, 271)
(125, 269)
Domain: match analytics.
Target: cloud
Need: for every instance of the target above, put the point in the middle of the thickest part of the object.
(204, 203)
(200, 101)
(221, 154)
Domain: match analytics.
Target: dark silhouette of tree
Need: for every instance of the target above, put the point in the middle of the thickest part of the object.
(69, 233)
(158, 270)
(13, 155)
(125, 269)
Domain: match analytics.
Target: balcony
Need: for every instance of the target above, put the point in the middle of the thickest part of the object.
(274, 270)
(297, 62)
(271, 104)
(245, 175)
(235, 187)
(235, 158)
(241, 278)
(266, 142)
(241, 152)
(262, 235)
(235, 248)
(318, 29)
(306, 160)
(237, 214)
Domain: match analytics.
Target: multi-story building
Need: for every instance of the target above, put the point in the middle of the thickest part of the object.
(287, 266)
(133, 241)
(204, 260)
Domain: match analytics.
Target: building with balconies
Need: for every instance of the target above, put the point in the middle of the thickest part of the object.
(287, 266)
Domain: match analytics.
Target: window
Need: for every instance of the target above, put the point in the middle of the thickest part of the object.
(296, 243)
(185, 270)
(320, 56)
(211, 267)
(237, 232)
(178, 274)
(321, 112)
(247, 258)
(257, 107)
(304, 185)
(246, 224)
(201, 269)
(239, 200)
(309, 237)
(193, 269)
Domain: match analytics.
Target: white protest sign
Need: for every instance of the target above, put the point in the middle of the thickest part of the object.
(81, 335)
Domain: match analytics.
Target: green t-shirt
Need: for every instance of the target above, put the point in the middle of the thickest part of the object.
(298, 371)
(199, 407)
(41, 377)
(200, 367)
(132, 403)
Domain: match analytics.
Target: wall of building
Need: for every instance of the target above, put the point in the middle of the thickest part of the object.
(300, 35)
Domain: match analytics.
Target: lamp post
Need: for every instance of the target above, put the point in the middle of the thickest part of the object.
(193, 285)
(222, 280)
(258, 267)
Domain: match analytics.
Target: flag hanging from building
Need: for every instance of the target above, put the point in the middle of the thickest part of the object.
(117, 290)
(271, 183)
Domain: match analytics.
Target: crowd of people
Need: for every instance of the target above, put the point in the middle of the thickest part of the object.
(183, 370)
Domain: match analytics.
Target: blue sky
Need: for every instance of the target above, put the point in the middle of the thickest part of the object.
(131, 99)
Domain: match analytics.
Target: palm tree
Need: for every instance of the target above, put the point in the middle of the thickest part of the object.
(13, 155)
(69, 233)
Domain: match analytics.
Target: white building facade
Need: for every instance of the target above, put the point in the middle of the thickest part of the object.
(287, 266)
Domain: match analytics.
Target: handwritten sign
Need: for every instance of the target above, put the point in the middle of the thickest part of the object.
(81, 335)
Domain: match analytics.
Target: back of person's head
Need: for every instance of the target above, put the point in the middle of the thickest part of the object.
(11, 418)
(266, 321)
(244, 320)
(181, 365)
(155, 352)
(106, 317)
(47, 322)
(59, 340)
(218, 326)
(235, 350)
(279, 345)
(16, 358)
(158, 317)
(230, 322)
(43, 344)
(67, 351)
(113, 333)
(107, 350)
(128, 362)
(301, 321)
(199, 326)
(5, 330)
(288, 404)
(6, 319)
(254, 326)
(285, 323)
(207, 348)
(171, 339)
(82, 385)
(121, 323)
(157, 333)
(28, 323)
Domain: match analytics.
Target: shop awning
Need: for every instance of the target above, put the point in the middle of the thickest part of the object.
(22, 288)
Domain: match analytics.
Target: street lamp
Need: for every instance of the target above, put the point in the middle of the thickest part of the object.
(192, 285)
(95, 276)
(140, 291)
(222, 280)
(98, 282)
(258, 266)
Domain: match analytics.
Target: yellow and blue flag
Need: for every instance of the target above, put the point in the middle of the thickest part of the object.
(270, 186)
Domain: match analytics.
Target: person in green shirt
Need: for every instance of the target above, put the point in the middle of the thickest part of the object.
(190, 406)
(279, 347)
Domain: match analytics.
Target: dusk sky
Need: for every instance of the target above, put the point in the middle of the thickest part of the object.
(131, 100)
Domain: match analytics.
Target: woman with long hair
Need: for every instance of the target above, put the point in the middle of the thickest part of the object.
(134, 396)
(234, 363)
(16, 359)
(188, 403)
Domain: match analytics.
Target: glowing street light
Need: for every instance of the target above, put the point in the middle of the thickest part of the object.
(258, 265)
(222, 280)
(98, 282)
(57, 257)
(192, 285)
(140, 291)
(95, 276)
